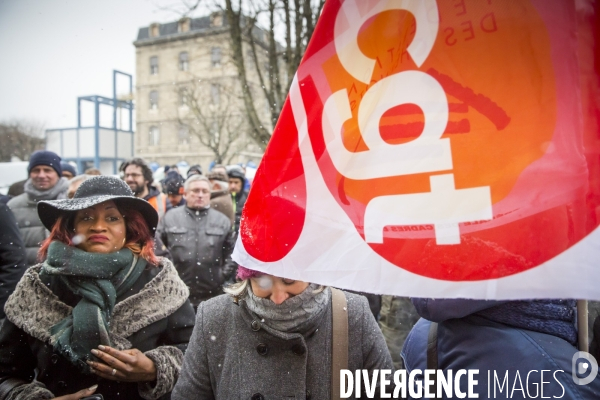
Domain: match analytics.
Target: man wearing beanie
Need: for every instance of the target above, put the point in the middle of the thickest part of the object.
(194, 170)
(173, 187)
(45, 183)
(68, 171)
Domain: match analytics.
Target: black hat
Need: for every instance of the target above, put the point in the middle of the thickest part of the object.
(237, 173)
(194, 169)
(96, 190)
(174, 185)
(44, 157)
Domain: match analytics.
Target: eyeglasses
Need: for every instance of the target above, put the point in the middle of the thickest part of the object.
(132, 175)
(198, 191)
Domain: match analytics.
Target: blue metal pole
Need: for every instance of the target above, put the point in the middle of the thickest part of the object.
(131, 107)
(115, 119)
(114, 99)
(79, 112)
(97, 133)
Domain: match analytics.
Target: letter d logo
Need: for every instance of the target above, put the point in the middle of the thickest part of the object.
(580, 367)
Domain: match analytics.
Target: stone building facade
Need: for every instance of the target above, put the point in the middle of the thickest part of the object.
(180, 65)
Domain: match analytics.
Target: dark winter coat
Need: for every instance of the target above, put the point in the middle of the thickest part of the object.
(232, 355)
(12, 255)
(239, 200)
(153, 317)
(33, 232)
(200, 243)
(469, 341)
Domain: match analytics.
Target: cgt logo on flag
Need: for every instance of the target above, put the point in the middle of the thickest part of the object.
(432, 142)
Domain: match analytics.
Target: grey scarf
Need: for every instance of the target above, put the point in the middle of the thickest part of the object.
(59, 191)
(290, 314)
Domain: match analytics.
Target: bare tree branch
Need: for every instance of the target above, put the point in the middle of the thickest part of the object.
(297, 20)
(215, 124)
(20, 139)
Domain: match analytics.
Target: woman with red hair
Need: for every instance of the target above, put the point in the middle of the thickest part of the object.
(101, 314)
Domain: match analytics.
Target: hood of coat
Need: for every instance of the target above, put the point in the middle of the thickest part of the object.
(219, 193)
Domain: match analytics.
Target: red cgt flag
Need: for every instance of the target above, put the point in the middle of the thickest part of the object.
(437, 149)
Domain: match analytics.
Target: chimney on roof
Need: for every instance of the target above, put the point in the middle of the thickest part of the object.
(216, 19)
(183, 25)
(154, 30)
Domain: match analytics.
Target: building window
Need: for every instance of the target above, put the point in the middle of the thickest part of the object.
(183, 61)
(215, 94)
(154, 136)
(155, 30)
(215, 56)
(184, 135)
(154, 65)
(216, 19)
(153, 100)
(183, 25)
(183, 97)
(214, 131)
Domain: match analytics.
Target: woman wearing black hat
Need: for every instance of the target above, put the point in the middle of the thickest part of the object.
(102, 313)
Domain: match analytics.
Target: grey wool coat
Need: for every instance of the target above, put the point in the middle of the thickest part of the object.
(30, 225)
(24, 208)
(232, 355)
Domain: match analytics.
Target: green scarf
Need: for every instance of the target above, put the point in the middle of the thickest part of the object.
(99, 279)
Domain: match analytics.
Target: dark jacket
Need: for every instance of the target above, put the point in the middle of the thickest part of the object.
(239, 200)
(200, 243)
(470, 341)
(17, 188)
(232, 355)
(154, 317)
(12, 255)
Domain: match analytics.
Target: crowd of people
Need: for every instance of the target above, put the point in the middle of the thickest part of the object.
(125, 287)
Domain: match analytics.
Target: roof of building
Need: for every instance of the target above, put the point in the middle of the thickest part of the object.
(170, 30)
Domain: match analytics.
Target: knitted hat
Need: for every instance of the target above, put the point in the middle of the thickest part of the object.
(244, 273)
(68, 167)
(174, 185)
(44, 157)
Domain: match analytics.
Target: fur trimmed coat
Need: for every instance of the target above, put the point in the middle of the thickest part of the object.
(155, 317)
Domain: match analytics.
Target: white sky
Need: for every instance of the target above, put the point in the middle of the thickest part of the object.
(52, 51)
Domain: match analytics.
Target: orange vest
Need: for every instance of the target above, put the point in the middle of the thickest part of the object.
(159, 203)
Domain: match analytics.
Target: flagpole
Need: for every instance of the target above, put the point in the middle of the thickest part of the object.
(582, 325)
